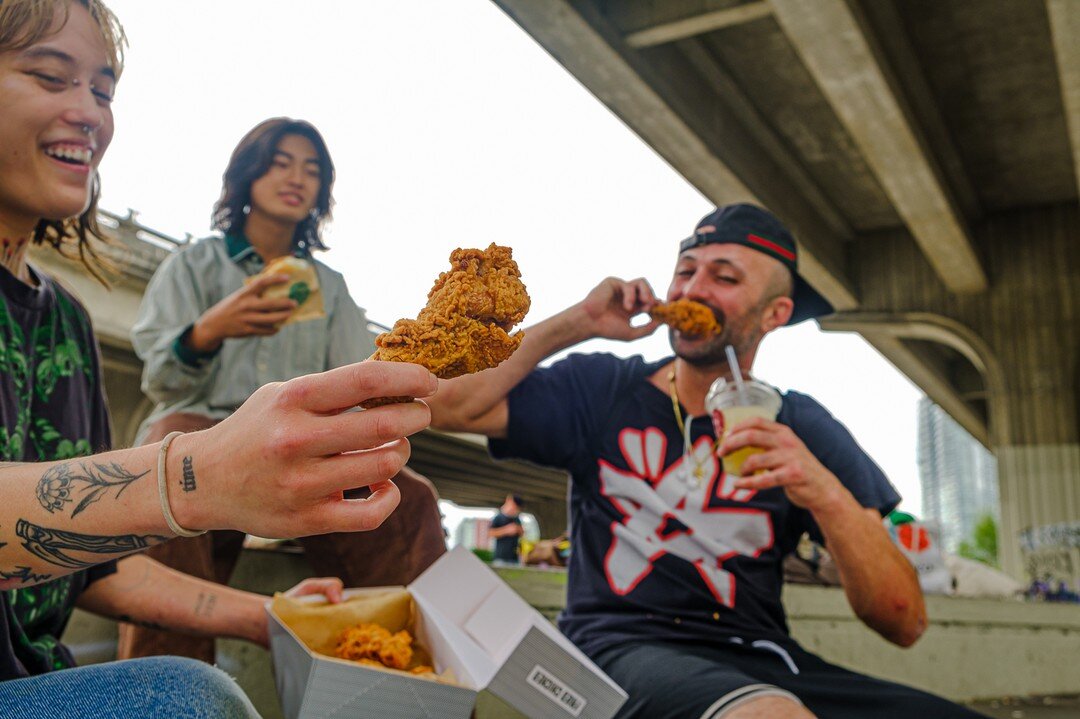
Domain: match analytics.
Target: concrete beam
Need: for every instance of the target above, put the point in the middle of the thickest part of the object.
(931, 381)
(463, 471)
(696, 24)
(907, 69)
(845, 61)
(766, 141)
(578, 47)
(885, 331)
(598, 57)
(1065, 30)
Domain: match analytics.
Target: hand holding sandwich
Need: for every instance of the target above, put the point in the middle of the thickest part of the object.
(244, 313)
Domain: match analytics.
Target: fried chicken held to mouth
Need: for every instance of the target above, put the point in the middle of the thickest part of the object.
(464, 327)
(690, 318)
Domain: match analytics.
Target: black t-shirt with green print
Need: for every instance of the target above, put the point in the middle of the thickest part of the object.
(53, 407)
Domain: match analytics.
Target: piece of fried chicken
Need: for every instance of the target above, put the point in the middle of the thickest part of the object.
(484, 285)
(470, 310)
(688, 317)
(374, 644)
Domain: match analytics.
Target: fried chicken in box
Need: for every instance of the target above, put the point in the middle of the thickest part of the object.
(465, 326)
(688, 317)
(374, 645)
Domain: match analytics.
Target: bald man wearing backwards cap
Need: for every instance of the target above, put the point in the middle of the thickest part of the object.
(675, 578)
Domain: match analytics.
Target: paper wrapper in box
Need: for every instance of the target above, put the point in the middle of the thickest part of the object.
(319, 625)
(303, 286)
(343, 688)
(480, 634)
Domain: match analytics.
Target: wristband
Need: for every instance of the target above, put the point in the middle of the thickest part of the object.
(163, 491)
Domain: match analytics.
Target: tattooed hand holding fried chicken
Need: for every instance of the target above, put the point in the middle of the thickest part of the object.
(465, 326)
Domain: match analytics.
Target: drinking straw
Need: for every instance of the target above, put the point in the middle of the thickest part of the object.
(736, 373)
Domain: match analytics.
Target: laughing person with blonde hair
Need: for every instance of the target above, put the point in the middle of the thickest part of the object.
(70, 519)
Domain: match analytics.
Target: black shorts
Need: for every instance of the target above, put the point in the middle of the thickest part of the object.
(687, 681)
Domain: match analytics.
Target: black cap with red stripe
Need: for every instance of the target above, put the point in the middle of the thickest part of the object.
(759, 229)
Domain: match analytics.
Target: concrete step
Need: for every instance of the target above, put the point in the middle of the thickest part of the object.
(974, 649)
(93, 640)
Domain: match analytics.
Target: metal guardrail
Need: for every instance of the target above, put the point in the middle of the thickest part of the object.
(136, 250)
(139, 250)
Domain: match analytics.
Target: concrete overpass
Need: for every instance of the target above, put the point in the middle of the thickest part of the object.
(458, 465)
(927, 154)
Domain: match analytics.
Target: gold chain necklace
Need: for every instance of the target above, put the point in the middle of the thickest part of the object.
(698, 473)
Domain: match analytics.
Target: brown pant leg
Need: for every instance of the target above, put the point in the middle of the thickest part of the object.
(210, 556)
(397, 552)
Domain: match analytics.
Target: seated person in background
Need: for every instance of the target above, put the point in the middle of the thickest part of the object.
(68, 515)
(507, 530)
(675, 578)
(209, 339)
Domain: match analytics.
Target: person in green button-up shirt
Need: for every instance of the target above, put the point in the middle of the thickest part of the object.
(209, 339)
(200, 292)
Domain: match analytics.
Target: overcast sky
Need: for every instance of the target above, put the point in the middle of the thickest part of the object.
(449, 127)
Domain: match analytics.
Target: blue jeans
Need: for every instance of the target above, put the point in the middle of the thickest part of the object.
(157, 687)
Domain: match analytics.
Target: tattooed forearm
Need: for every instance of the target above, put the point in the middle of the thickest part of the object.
(24, 575)
(204, 605)
(53, 545)
(189, 476)
(62, 484)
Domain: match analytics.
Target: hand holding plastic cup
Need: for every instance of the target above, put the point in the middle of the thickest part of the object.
(729, 403)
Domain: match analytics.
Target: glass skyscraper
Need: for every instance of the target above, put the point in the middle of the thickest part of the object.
(958, 476)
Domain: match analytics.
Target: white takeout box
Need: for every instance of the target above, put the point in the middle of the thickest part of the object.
(476, 627)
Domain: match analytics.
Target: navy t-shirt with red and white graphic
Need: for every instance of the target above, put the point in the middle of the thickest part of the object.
(663, 546)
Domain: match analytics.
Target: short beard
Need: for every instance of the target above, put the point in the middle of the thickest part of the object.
(711, 353)
(705, 354)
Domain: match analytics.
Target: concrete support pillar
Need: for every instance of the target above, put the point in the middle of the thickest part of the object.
(1040, 489)
(1025, 329)
(551, 514)
(1032, 324)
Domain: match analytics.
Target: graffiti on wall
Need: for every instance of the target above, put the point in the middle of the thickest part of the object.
(1065, 535)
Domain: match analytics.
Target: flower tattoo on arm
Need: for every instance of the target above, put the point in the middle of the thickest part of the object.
(63, 484)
